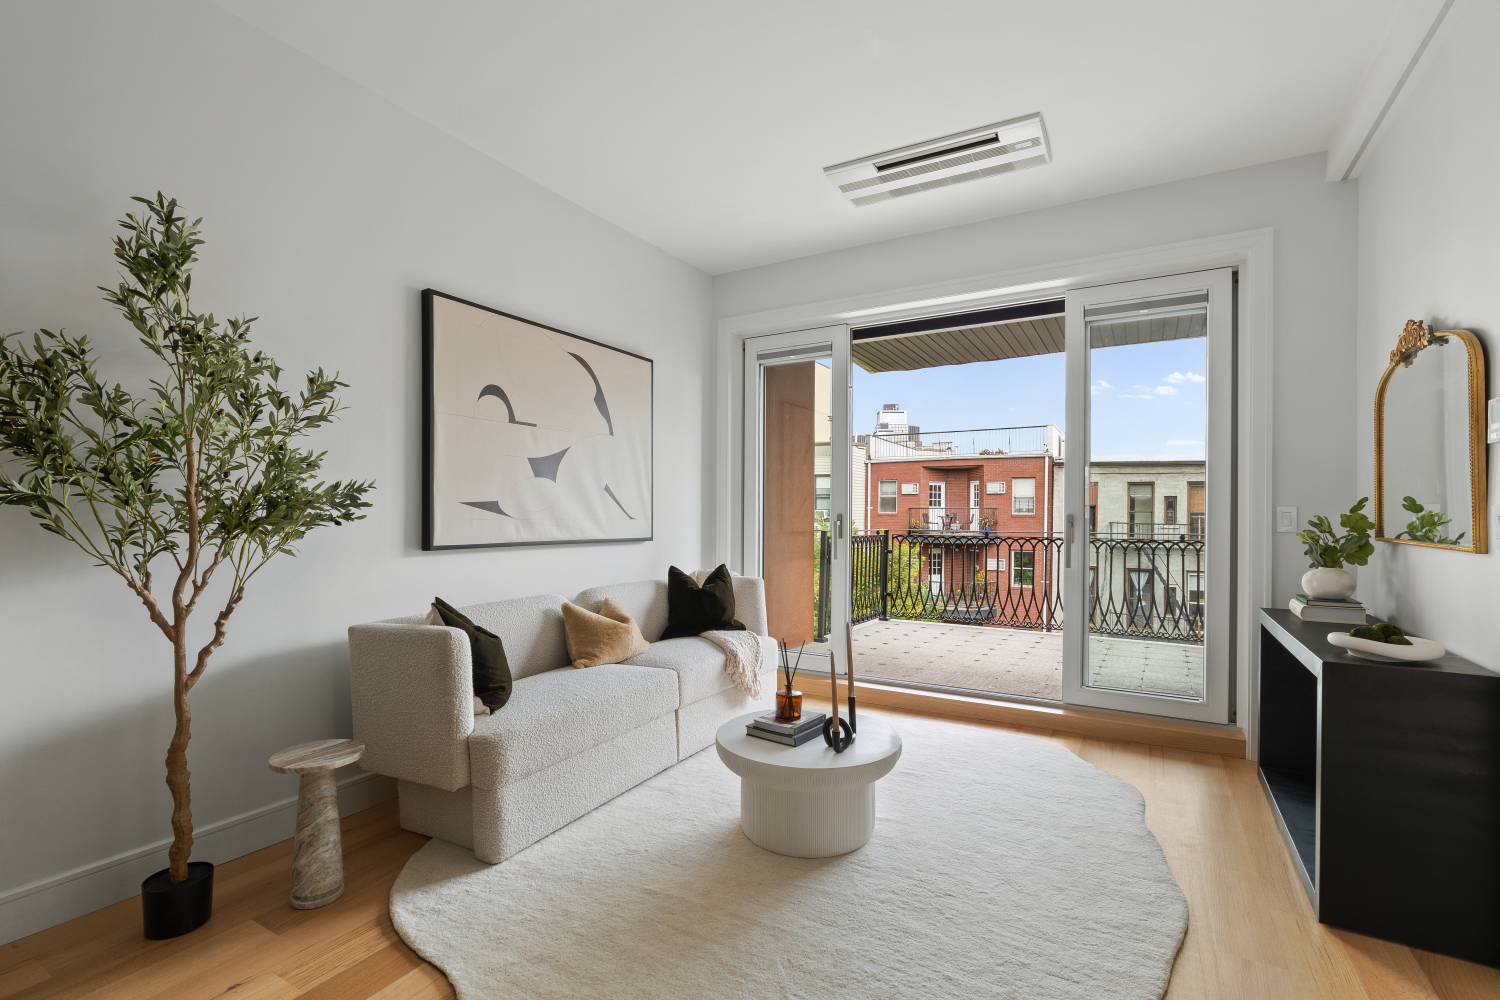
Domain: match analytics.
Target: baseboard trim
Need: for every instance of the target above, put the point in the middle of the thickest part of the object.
(1221, 740)
(47, 902)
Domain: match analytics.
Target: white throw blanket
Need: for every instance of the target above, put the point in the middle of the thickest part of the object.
(742, 658)
(743, 653)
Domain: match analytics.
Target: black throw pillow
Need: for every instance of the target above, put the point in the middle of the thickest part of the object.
(693, 610)
(491, 669)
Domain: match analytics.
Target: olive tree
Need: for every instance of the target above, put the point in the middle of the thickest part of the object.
(203, 473)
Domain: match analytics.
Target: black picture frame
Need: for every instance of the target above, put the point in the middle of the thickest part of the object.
(430, 543)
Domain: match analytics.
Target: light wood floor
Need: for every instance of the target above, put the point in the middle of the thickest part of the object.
(1251, 932)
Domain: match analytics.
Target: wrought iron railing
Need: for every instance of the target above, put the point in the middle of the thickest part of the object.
(1148, 588)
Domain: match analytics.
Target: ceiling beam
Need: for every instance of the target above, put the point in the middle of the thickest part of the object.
(1409, 39)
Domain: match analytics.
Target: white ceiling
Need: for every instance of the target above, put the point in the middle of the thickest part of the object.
(704, 127)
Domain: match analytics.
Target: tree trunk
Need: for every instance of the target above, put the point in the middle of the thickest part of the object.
(177, 772)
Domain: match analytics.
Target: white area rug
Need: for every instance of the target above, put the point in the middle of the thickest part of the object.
(1001, 866)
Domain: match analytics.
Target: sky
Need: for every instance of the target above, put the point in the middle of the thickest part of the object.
(1147, 399)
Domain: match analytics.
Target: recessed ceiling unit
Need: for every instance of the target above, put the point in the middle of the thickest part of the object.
(953, 159)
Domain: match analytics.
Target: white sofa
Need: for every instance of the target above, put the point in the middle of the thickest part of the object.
(567, 741)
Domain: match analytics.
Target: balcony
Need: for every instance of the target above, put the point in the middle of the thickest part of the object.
(950, 519)
(984, 612)
(985, 442)
(1192, 531)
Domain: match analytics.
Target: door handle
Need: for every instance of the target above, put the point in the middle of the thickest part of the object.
(1068, 542)
(838, 533)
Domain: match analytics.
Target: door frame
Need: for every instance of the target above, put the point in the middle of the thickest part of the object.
(786, 348)
(1219, 473)
(1251, 253)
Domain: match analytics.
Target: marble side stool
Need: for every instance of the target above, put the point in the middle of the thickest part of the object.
(318, 865)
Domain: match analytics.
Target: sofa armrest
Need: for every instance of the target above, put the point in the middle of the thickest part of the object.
(412, 688)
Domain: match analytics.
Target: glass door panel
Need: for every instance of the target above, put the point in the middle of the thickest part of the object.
(797, 489)
(1149, 380)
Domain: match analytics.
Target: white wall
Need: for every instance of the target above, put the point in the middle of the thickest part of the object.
(1429, 249)
(326, 211)
(1312, 448)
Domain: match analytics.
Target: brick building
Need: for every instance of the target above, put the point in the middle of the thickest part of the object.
(977, 508)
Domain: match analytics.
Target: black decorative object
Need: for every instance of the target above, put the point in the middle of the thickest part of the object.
(171, 909)
(839, 739)
(849, 642)
(837, 732)
(531, 435)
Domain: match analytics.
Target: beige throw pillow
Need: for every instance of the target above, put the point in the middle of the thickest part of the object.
(608, 637)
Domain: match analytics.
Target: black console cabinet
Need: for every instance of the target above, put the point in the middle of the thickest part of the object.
(1385, 780)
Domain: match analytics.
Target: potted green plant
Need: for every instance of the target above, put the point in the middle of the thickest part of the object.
(1329, 551)
(202, 473)
(985, 524)
(1428, 525)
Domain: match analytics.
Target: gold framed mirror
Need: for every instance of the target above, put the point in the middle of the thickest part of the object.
(1429, 441)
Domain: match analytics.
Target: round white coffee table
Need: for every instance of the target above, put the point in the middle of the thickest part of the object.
(807, 801)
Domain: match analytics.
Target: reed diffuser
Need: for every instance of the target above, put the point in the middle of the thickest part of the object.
(788, 701)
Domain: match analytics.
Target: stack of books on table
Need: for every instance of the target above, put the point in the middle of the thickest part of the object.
(1315, 609)
(793, 734)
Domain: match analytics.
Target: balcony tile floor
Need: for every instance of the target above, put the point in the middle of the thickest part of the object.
(1018, 661)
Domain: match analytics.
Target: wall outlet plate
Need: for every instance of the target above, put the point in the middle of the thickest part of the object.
(1286, 519)
(1494, 422)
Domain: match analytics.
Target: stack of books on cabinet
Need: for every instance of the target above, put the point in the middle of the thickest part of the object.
(792, 734)
(1317, 609)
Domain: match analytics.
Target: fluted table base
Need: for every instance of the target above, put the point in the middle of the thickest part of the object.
(813, 824)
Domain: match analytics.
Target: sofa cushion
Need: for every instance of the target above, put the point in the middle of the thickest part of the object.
(643, 600)
(530, 627)
(558, 714)
(699, 665)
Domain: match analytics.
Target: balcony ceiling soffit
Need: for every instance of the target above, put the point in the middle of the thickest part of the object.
(990, 342)
(1020, 339)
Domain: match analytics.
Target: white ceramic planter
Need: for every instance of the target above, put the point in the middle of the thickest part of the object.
(1328, 584)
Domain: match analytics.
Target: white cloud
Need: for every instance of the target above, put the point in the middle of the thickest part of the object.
(1183, 377)
(1133, 395)
(1165, 390)
(1184, 444)
(1103, 384)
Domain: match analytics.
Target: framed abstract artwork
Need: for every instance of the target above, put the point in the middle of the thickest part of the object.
(532, 436)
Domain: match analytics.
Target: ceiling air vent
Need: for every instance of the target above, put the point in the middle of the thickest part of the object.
(953, 159)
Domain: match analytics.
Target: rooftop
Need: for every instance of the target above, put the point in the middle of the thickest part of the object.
(983, 442)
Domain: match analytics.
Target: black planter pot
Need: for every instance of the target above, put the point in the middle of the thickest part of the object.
(171, 910)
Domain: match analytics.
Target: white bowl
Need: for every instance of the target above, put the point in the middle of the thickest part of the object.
(1420, 649)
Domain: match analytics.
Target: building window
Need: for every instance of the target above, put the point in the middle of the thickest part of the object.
(1195, 509)
(1023, 496)
(1022, 568)
(934, 494)
(1142, 503)
(935, 568)
(823, 495)
(1168, 510)
(887, 499)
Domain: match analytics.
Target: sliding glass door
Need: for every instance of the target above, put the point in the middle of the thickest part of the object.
(797, 483)
(1148, 487)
